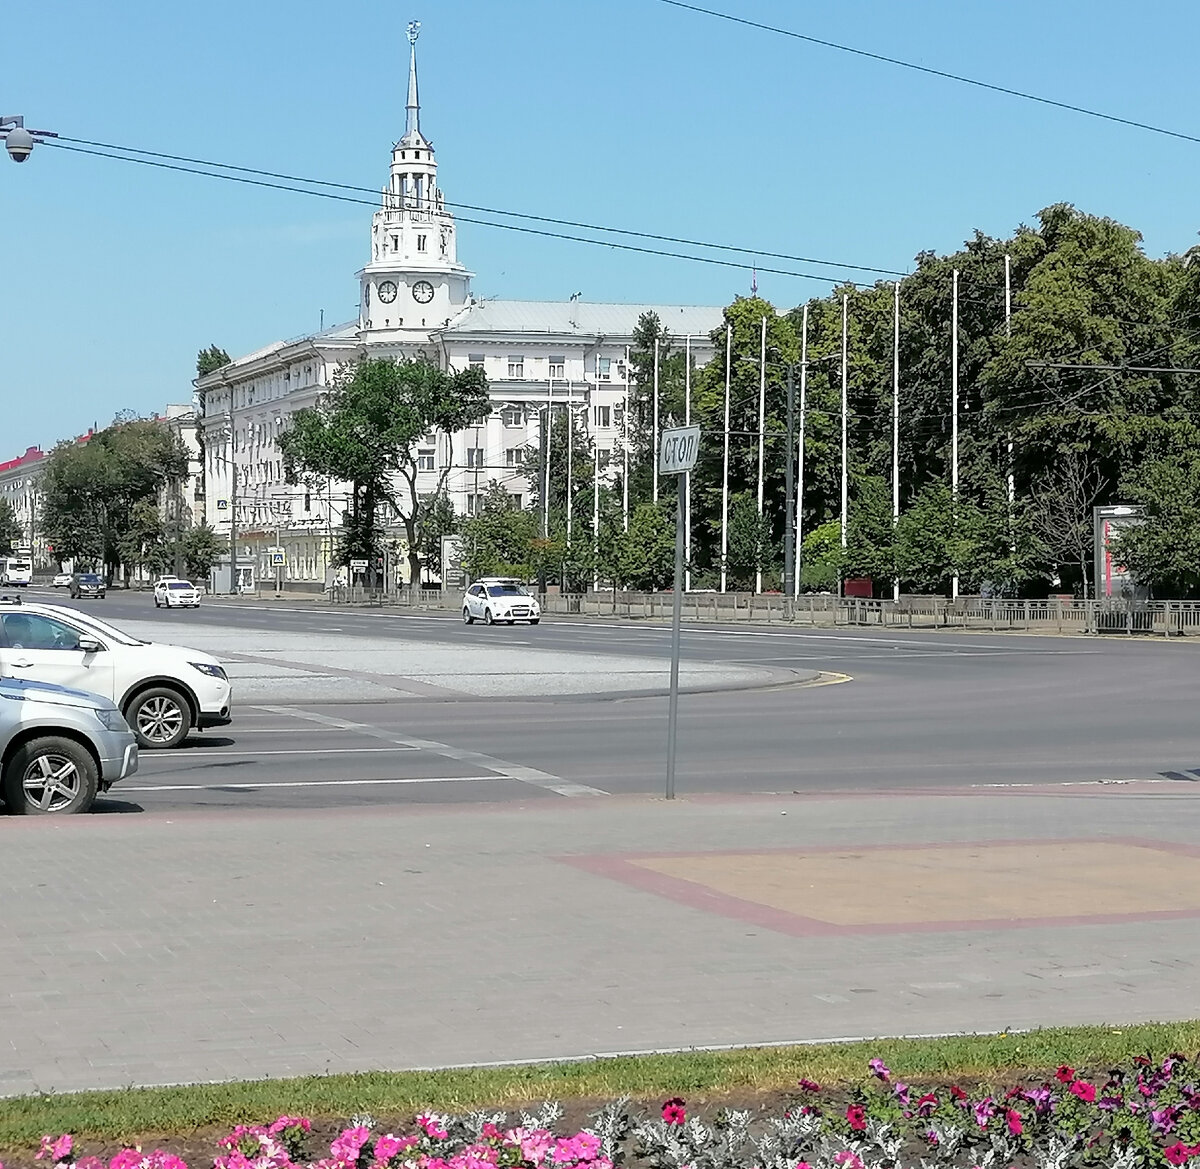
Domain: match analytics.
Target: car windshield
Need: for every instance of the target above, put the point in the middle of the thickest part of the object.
(179, 584)
(89, 578)
(507, 590)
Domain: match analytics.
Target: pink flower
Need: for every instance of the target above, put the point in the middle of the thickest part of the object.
(490, 1132)
(984, 1111)
(932, 1137)
(286, 1122)
(810, 1085)
(880, 1069)
(674, 1110)
(1065, 1074)
(926, 1104)
(1085, 1091)
(1178, 1153)
(856, 1117)
(848, 1159)
(55, 1148)
(348, 1145)
(433, 1124)
(1014, 1122)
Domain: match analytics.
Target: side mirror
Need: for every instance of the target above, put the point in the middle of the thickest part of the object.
(90, 645)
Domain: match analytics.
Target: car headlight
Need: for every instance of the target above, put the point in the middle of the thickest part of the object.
(112, 720)
(208, 668)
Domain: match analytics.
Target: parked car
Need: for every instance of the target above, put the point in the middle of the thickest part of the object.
(176, 593)
(164, 691)
(59, 747)
(499, 598)
(62, 580)
(88, 584)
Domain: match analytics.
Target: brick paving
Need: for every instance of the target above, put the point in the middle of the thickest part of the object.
(167, 947)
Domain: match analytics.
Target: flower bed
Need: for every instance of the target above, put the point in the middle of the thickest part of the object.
(1145, 1113)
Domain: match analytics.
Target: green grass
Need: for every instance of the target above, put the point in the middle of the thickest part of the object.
(135, 1112)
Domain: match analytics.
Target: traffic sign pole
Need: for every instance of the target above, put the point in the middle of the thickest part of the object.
(676, 622)
(677, 454)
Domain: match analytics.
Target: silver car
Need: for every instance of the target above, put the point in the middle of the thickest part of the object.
(59, 747)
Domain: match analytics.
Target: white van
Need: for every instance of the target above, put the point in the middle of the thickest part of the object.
(16, 570)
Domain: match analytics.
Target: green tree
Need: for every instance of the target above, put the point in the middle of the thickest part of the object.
(643, 557)
(11, 532)
(202, 548)
(365, 433)
(499, 540)
(1163, 551)
(210, 359)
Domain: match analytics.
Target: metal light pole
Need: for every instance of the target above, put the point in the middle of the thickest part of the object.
(954, 422)
(845, 432)
(654, 453)
(800, 453)
(687, 479)
(762, 426)
(896, 426)
(725, 463)
(789, 488)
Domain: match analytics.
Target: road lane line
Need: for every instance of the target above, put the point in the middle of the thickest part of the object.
(530, 775)
(198, 754)
(209, 787)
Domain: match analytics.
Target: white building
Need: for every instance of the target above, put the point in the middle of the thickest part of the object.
(416, 300)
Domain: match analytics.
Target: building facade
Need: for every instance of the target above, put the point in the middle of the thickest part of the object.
(415, 300)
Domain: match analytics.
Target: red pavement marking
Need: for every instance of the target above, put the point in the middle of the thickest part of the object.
(697, 896)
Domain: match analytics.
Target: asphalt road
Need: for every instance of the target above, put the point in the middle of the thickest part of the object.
(923, 710)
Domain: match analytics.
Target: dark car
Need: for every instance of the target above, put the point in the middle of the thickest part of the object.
(88, 584)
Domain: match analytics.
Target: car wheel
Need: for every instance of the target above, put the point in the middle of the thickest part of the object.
(467, 618)
(157, 603)
(160, 717)
(50, 776)
(488, 619)
(534, 620)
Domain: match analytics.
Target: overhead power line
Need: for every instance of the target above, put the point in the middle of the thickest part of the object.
(1046, 101)
(113, 151)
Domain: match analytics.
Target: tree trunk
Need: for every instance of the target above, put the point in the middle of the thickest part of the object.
(414, 559)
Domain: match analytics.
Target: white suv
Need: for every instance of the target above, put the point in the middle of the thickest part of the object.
(176, 593)
(164, 691)
(499, 598)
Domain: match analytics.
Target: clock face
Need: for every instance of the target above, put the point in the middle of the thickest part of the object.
(422, 292)
(387, 292)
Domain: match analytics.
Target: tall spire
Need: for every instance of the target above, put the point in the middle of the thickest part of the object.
(412, 120)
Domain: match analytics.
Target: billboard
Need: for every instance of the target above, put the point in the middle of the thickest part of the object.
(453, 574)
(1113, 579)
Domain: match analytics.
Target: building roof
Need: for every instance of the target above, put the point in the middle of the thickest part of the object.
(579, 318)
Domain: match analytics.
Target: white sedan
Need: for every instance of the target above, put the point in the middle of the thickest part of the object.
(62, 580)
(499, 599)
(176, 593)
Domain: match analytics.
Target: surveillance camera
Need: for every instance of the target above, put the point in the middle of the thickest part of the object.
(19, 143)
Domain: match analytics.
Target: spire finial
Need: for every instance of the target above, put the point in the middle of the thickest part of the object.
(412, 121)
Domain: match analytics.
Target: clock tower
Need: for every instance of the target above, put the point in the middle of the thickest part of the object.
(413, 283)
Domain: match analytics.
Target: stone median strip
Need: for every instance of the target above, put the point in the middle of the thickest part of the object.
(276, 666)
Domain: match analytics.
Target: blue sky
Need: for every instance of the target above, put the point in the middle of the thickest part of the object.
(621, 112)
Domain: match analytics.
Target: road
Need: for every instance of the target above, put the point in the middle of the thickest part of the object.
(921, 710)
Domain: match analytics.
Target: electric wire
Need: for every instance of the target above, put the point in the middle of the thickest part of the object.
(944, 74)
(124, 153)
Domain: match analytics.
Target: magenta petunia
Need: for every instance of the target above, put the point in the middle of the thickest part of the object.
(1085, 1091)
(674, 1111)
(856, 1117)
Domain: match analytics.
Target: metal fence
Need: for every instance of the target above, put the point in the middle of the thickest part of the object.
(1057, 615)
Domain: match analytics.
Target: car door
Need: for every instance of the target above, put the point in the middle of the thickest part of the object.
(46, 649)
(475, 600)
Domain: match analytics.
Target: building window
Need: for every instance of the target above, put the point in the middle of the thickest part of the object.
(515, 501)
(512, 416)
(420, 243)
(395, 243)
(558, 368)
(602, 416)
(425, 459)
(474, 504)
(475, 360)
(604, 368)
(514, 456)
(474, 456)
(516, 366)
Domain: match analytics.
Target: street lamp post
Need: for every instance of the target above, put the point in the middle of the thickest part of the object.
(789, 488)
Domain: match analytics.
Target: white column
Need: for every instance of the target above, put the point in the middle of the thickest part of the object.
(762, 420)
(625, 447)
(654, 452)
(725, 463)
(896, 425)
(570, 458)
(954, 419)
(845, 429)
(546, 468)
(800, 453)
(595, 516)
(687, 479)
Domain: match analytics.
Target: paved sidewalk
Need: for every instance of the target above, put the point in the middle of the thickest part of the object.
(155, 948)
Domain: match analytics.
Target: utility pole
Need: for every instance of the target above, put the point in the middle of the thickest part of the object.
(1012, 495)
(687, 479)
(845, 432)
(789, 489)
(725, 463)
(625, 447)
(762, 426)
(954, 421)
(654, 461)
(896, 426)
(800, 453)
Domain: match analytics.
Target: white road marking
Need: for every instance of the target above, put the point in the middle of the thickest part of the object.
(205, 787)
(530, 775)
(198, 754)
